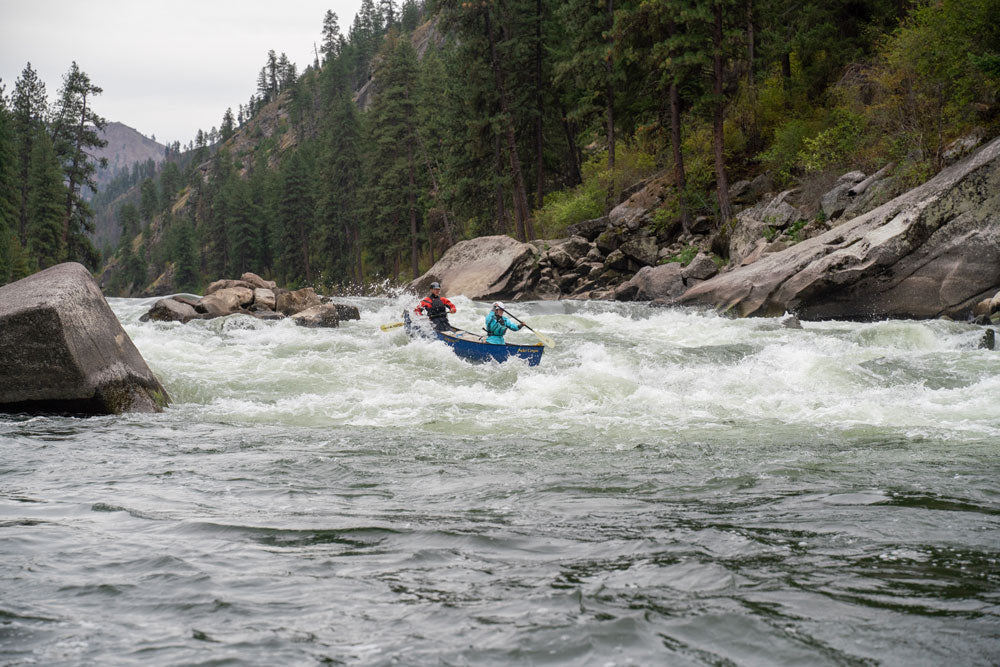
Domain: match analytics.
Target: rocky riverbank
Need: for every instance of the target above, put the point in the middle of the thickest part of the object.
(252, 295)
(859, 250)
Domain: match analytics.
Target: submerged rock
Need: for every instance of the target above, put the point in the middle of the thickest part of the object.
(65, 351)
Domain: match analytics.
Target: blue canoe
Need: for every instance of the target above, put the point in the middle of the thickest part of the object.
(475, 348)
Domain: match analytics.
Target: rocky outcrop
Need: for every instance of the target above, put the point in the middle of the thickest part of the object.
(933, 251)
(254, 296)
(759, 221)
(65, 351)
(666, 281)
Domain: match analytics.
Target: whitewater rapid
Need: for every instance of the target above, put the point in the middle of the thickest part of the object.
(667, 487)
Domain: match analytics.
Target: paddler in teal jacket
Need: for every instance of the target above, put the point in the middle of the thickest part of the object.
(497, 324)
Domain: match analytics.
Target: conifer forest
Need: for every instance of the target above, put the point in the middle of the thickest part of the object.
(418, 125)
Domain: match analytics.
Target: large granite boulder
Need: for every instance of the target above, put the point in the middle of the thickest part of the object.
(933, 251)
(170, 310)
(289, 303)
(484, 268)
(225, 301)
(64, 350)
(321, 316)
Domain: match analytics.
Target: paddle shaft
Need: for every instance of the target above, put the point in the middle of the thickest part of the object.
(545, 339)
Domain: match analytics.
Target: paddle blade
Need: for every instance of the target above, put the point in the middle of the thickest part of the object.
(546, 341)
(393, 325)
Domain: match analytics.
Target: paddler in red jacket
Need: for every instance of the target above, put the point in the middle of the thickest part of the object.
(437, 308)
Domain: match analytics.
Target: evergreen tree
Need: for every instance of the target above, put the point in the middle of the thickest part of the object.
(272, 74)
(28, 110)
(76, 130)
(185, 254)
(149, 200)
(240, 226)
(217, 212)
(331, 36)
(170, 182)
(394, 159)
(340, 184)
(295, 217)
(129, 222)
(228, 125)
(45, 206)
(8, 193)
(410, 15)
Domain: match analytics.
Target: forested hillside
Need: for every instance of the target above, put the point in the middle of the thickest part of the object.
(427, 124)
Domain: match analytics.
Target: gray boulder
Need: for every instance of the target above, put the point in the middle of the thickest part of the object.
(225, 301)
(324, 315)
(170, 310)
(701, 268)
(484, 268)
(263, 297)
(588, 229)
(643, 250)
(653, 282)
(257, 282)
(751, 225)
(226, 284)
(65, 351)
(289, 303)
(931, 252)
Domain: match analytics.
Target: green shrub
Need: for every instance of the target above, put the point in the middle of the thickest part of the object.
(589, 199)
(836, 145)
(566, 207)
(782, 157)
(684, 257)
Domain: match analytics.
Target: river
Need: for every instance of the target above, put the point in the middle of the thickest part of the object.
(667, 487)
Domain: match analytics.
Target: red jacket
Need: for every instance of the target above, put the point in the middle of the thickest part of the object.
(428, 303)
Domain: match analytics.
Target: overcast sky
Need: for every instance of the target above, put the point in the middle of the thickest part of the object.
(167, 68)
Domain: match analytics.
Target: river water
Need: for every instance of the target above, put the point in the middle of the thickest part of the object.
(667, 487)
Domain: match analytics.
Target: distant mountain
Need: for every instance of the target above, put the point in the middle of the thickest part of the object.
(126, 146)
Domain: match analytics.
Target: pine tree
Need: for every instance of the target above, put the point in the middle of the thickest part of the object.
(340, 184)
(272, 74)
(170, 182)
(8, 192)
(410, 15)
(185, 254)
(394, 159)
(295, 216)
(149, 200)
(75, 131)
(45, 206)
(28, 110)
(129, 222)
(331, 36)
(240, 225)
(217, 212)
(228, 125)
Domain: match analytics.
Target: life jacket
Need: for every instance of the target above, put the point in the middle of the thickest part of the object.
(495, 326)
(437, 307)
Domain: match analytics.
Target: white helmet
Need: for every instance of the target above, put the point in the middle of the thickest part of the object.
(498, 304)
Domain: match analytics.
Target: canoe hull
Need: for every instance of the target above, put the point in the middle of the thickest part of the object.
(474, 348)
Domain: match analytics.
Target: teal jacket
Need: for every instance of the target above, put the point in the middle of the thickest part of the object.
(496, 328)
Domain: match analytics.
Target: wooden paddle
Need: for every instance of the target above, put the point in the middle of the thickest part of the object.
(392, 325)
(542, 337)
